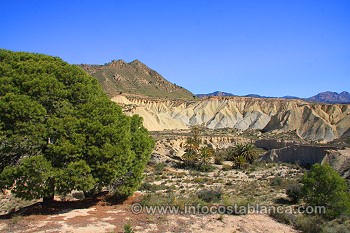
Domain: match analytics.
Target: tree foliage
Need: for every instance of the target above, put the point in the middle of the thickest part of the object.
(59, 131)
(192, 148)
(323, 186)
(196, 155)
(242, 155)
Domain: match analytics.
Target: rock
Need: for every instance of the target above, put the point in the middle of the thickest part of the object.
(317, 122)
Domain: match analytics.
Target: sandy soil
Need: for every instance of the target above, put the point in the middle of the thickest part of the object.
(95, 216)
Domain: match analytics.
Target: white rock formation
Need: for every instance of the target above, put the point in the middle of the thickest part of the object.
(319, 122)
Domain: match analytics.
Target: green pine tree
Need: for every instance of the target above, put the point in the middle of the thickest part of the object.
(59, 131)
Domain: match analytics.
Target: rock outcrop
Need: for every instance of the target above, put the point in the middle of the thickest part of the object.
(340, 161)
(318, 122)
(304, 155)
(307, 155)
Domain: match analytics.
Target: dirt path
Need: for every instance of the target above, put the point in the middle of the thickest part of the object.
(98, 217)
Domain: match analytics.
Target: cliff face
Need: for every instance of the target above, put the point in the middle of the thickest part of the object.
(321, 122)
(300, 154)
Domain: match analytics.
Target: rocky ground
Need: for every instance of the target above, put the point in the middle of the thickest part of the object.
(262, 183)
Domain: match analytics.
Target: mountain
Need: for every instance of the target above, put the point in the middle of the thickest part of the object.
(220, 93)
(323, 97)
(173, 107)
(255, 96)
(290, 97)
(312, 121)
(215, 93)
(331, 97)
(134, 79)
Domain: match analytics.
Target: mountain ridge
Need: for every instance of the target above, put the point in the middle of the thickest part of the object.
(134, 79)
(327, 97)
(166, 106)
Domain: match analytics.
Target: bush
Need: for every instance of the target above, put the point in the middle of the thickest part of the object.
(241, 204)
(276, 181)
(128, 228)
(151, 187)
(309, 224)
(285, 218)
(204, 167)
(218, 158)
(323, 186)
(294, 192)
(226, 167)
(209, 196)
(337, 226)
(159, 168)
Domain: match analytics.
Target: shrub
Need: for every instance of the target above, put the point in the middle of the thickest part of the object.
(286, 218)
(294, 192)
(323, 186)
(128, 228)
(226, 167)
(151, 187)
(309, 224)
(218, 158)
(277, 181)
(337, 226)
(159, 168)
(204, 167)
(209, 195)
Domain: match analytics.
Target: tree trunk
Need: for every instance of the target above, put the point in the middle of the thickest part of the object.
(49, 196)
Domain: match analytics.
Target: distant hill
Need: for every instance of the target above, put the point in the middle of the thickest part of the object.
(134, 79)
(216, 93)
(323, 97)
(331, 97)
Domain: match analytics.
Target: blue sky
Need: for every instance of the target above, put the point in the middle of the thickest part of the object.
(267, 47)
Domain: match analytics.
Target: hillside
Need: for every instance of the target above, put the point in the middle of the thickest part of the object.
(134, 79)
(320, 122)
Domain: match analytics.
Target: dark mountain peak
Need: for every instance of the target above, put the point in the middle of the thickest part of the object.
(215, 93)
(331, 97)
(254, 96)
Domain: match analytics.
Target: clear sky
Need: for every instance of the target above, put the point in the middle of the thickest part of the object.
(266, 47)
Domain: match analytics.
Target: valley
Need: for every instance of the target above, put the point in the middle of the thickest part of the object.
(209, 152)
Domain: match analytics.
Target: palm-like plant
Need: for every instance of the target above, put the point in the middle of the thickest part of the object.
(239, 162)
(191, 149)
(189, 157)
(247, 151)
(206, 154)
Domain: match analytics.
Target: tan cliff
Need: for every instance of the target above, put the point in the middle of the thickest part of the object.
(318, 122)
